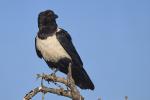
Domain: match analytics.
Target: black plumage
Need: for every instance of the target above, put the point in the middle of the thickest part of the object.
(55, 46)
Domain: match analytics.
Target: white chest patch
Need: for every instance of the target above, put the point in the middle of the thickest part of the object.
(51, 49)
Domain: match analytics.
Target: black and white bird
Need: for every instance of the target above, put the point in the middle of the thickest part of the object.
(55, 46)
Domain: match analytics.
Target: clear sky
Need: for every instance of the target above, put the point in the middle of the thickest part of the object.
(111, 36)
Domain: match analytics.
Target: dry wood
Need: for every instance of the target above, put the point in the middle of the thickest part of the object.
(72, 92)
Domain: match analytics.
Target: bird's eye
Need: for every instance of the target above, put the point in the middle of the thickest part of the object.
(48, 13)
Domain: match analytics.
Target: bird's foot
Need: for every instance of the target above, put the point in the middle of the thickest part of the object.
(53, 74)
(53, 80)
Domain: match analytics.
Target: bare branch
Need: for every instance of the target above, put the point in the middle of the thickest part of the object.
(72, 92)
(52, 78)
(45, 90)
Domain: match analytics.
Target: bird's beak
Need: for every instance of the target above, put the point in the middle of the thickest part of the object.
(55, 16)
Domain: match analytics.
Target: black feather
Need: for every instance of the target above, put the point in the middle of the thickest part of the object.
(78, 73)
(66, 42)
(37, 51)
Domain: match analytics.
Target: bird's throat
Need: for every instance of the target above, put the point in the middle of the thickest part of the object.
(46, 31)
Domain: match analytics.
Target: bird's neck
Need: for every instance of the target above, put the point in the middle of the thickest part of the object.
(48, 30)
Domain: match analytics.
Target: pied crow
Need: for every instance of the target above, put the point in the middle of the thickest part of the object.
(55, 46)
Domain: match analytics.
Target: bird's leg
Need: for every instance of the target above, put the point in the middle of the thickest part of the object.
(54, 75)
(54, 72)
(42, 81)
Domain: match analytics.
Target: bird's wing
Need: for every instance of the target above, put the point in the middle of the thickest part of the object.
(37, 51)
(65, 40)
(78, 73)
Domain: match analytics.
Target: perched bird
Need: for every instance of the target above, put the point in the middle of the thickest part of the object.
(55, 46)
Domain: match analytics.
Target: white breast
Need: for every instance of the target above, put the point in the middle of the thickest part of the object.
(51, 49)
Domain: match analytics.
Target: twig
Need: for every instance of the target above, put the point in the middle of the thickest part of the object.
(126, 97)
(74, 91)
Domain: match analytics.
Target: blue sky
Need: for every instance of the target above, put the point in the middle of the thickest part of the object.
(112, 38)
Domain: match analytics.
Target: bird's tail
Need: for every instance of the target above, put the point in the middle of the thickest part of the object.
(81, 78)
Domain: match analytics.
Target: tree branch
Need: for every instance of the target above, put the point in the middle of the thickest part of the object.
(45, 90)
(72, 92)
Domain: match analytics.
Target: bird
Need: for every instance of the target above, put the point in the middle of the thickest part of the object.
(54, 45)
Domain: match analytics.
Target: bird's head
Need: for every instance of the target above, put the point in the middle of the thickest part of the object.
(47, 20)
